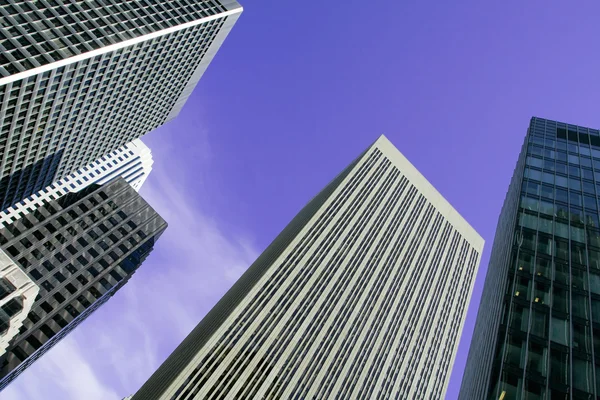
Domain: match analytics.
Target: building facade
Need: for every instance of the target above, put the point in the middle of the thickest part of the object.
(537, 334)
(363, 295)
(81, 79)
(133, 162)
(78, 250)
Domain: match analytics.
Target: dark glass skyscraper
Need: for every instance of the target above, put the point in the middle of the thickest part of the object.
(79, 250)
(537, 334)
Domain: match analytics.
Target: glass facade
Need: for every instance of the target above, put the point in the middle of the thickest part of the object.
(547, 334)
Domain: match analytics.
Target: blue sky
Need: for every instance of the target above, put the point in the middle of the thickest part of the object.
(297, 91)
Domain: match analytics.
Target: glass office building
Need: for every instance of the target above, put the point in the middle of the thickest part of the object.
(537, 334)
(362, 296)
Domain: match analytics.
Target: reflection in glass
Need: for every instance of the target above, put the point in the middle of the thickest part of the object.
(542, 293)
(583, 378)
(536, 359)
(539, 324)
(515, 351)
(559, 366)
(559, 329)
(519, 318)
(580, 306)
(582, 339)
(560, 299)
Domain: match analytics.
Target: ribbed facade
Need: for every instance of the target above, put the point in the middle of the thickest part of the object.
(363, 295)
(79, 250)
(537, 334)
(79, 79)
(133, 162)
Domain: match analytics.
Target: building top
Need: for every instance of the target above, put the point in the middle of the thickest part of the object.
(57, 34)
(430, 192)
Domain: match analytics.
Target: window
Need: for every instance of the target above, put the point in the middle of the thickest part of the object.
(6, 288)
(13, 307)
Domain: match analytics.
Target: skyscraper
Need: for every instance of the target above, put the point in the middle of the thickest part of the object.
(133, 162)
(80, 79)
(537, 334)
(363, 295)
(78, 250)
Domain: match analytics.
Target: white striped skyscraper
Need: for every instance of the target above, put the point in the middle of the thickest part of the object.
(79, 79)
(362, 296)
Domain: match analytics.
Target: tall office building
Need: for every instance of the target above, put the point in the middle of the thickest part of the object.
(133, 162)
(79, 79)
(537, 334)
(78, 250)
(362, 296)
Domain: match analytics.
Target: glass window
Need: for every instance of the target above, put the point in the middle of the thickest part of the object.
(515, 351)
(562, 195)
(533, 174)
(575, 184)
(528, 220)
(519, 317)
(595, 283)
(548, 178)
(587, 174)
(559, 366)
(573, 171)
(561, 230)
(578, 235)
(561, 168)
(529, 204)
(547, 208)
(576, 215)
(580, 306)
(585, 162)
(542, 293)
(559, 330)
(573, 159)
(590, 202)
(6, 288)
(562, 181)
(536, 359)
(548, 191)
(13, 306)
(588, 188)
(544, 244)
(578, 253)
(582, 338)
(579, 278)
(539, 324)
(583, 378)
(525, 262)
(594, 258)
(543, 268)
(534, 162)
(549, 165)
(562, 249)
(560, 299)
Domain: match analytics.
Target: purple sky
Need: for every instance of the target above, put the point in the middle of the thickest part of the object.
(297, 91)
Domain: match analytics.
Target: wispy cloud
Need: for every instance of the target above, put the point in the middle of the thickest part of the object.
(194, 263)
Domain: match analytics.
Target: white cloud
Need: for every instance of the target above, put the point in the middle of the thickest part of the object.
(63, 365)
(114, 351)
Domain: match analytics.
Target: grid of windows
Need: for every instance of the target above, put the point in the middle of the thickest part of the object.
(546, 328)
(133, 162)
(37, 33)
(76, 249)
(56, 121)
(346, 302)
